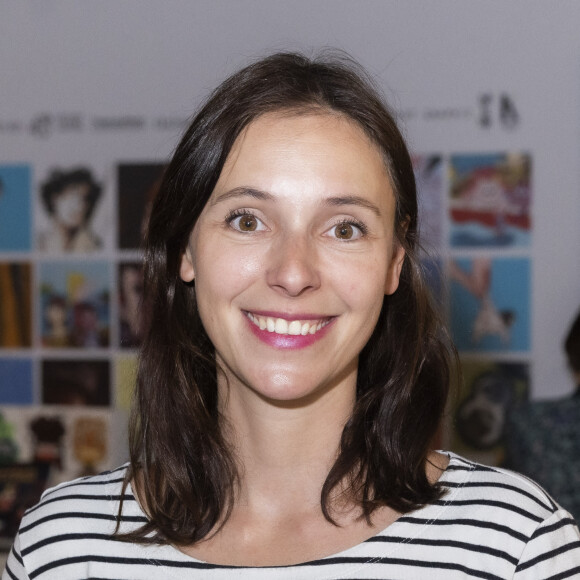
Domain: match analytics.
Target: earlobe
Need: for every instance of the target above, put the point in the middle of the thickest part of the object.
(394, 272)
(186, 271)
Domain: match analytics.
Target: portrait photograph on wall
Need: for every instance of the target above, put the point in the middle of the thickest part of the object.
(82, 382)
(68, 199)
(137, 185)
(74, 304)
(490, 200)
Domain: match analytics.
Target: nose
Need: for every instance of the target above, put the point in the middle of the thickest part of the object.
(293, 266)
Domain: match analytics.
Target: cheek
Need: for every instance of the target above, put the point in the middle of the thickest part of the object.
(222, 272)
(362, 282)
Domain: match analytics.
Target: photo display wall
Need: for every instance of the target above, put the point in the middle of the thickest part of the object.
(476, 212)
(70, 319)
(70, 307)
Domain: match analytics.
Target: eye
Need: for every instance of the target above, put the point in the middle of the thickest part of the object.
(244, 221)
(347, 231)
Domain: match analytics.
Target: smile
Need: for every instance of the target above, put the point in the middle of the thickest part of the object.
(288, 327)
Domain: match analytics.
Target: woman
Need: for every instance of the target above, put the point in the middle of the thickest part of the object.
(293, 372)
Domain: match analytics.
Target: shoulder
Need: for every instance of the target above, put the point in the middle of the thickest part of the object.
(97, 493)
(70, 515)
(86, 241)
(91, 487)
(75, 499)
(498, 488)
(511, 514)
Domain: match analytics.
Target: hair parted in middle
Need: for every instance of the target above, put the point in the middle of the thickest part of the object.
(186, 472)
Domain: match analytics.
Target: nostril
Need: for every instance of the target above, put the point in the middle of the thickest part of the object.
(292, 268)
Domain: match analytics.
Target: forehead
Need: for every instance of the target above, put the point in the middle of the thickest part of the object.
(78, 187)
(301, 126)
(313, 145)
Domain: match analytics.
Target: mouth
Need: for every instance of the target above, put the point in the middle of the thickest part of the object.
(283, 326)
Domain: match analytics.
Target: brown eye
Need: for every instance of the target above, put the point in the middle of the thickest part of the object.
(344, 231)
(248, 223)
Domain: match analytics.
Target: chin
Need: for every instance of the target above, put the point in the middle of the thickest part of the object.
(297, 391)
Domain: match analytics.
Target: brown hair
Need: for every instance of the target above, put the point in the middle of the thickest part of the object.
(572, 345)
(187, 473)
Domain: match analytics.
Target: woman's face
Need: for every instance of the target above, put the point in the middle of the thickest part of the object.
(70, 205)
(293, 254)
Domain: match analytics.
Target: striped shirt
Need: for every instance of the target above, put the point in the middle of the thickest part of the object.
(491, 524)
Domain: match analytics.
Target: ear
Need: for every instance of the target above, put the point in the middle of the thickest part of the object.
(394, 271)
(186, 270)
(397, 260)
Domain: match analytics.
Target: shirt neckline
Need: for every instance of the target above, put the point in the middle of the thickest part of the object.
(457, 472)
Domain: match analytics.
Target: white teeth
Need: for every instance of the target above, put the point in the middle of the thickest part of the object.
(283, 326)
(294, 328)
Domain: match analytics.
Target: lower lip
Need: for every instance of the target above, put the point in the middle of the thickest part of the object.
(288, 341)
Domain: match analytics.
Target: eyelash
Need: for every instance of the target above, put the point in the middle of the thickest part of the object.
(237, 213)
(352, 222)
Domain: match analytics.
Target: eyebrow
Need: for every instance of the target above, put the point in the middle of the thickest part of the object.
(353, 200)
(243, 192)
(335, 201)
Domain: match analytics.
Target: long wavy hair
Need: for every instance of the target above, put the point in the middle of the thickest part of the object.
(185, 471)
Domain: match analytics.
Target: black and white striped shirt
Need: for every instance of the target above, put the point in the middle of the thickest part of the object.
(491, 524)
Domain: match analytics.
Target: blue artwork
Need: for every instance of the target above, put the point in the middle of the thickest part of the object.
(16, 381)
(490, 304)
(15, 208)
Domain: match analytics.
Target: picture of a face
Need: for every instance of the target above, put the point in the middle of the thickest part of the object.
(70, 206)
(70, 199)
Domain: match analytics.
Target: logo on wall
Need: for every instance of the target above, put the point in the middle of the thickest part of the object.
(45, 125)
(498, 110)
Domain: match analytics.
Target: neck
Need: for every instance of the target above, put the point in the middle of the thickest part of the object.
(68, 235)
(285, 450)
